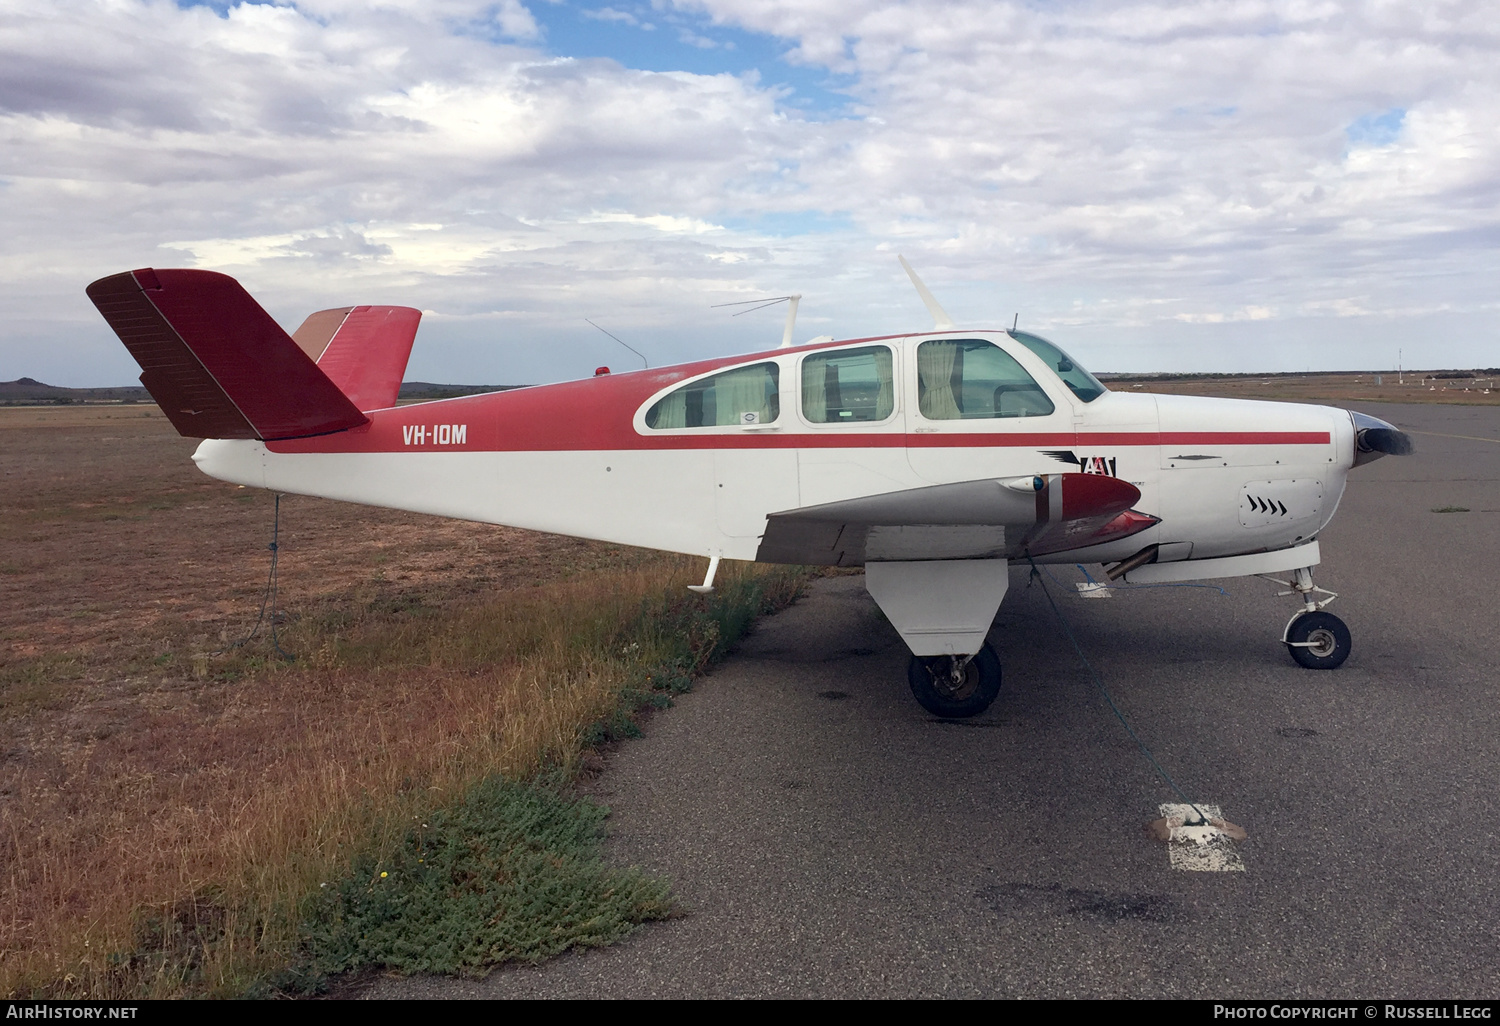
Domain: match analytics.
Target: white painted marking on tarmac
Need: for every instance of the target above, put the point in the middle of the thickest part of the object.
(1093, 590)
(1201, 849)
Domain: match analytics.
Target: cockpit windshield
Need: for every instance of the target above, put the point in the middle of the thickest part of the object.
(1084, 385)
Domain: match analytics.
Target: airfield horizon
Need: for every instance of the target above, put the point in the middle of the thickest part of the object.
(1452, 387)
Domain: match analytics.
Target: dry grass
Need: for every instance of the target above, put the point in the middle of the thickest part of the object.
(267, 786)
(164, 812)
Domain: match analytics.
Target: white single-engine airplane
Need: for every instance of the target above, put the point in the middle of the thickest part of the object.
(930, 459)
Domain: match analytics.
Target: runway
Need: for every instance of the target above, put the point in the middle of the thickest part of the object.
(828, 838)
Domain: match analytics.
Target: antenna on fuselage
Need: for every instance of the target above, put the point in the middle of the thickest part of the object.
(940, 319)
(761, 304)
(644, 362)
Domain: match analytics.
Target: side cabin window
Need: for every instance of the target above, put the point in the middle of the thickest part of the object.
(745, 395)
(971, 379)
(848, 385)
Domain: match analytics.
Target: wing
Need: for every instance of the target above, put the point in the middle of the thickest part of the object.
(986, 519)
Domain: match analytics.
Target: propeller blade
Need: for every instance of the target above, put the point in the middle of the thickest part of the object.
(1374, 438)
(1391, 441)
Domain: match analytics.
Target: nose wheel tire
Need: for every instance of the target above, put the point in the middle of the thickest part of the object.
(1318, 641)
(955, 692)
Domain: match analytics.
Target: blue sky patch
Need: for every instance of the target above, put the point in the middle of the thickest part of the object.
(783, 224)
(639, 37)
(1376, 129)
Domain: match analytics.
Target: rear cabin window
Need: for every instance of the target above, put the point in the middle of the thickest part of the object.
(745, 395)
(848, 386)
(971, 379)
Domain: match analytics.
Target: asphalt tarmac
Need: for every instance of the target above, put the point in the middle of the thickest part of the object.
(828, 838)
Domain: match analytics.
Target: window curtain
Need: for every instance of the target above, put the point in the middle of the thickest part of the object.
(935, 362)
(744, 391)
(885, 402)
(670, 412)
(814, 391)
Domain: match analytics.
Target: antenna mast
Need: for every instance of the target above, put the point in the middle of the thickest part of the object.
(761, 304)
(940, 319)
(637, 352)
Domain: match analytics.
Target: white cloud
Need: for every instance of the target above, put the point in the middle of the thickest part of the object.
(610, 14)
(661, 222)
(1154, 178)
(702, 42)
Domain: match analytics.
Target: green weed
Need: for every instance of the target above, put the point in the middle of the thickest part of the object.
(509, 872)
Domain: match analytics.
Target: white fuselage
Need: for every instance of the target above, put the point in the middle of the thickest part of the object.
(1224, 476)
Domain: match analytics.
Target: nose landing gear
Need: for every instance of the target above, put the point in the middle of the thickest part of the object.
(1316, 640)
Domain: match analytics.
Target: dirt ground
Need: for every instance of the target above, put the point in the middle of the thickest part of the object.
(110, 535)
(122, 567)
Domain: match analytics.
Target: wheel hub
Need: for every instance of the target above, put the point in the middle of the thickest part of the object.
(1321, 643)
(953, 681)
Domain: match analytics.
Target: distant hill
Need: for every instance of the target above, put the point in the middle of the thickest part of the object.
(420, 391)
(31, 392)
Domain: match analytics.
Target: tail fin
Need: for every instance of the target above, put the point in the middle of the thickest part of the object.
(362, 349)
(215, 362)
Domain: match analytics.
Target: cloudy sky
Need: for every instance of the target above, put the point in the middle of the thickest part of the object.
(1239, 185)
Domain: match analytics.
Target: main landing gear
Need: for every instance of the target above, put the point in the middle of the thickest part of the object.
(1317, 640)
(955, 687)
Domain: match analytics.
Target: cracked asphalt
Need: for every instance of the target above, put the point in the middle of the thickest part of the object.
(828, 838)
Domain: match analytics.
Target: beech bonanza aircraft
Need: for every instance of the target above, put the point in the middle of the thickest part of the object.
(930, 459)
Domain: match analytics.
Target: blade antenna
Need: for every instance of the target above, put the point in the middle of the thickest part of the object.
(637, 352)
(761, 304)
(940, 319)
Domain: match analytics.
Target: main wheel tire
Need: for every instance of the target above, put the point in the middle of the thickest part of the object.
(934, 688)
(1328, 637)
